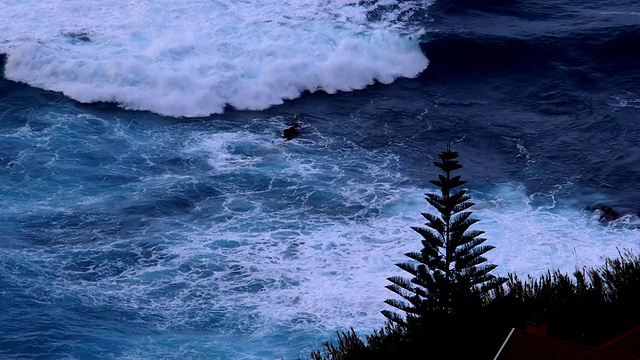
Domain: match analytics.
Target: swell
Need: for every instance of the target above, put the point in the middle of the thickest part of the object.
(515, 36)
(564, 74)
(539, 10)
(600, 50)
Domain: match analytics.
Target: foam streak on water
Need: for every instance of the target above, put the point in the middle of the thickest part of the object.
(194, 58)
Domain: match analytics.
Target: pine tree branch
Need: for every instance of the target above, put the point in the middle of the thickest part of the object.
(394, 318)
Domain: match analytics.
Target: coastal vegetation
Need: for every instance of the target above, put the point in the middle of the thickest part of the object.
(455, 308)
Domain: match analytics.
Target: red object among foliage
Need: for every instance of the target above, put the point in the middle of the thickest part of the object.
(627, 343)
(523, 345)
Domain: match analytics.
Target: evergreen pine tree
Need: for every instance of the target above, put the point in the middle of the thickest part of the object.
(451, 274)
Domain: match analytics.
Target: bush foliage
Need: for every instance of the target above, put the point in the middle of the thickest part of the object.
(590, 307)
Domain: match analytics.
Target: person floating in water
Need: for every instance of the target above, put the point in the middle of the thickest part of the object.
(291, 132)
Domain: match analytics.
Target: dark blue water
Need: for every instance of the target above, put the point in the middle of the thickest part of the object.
(126, 234)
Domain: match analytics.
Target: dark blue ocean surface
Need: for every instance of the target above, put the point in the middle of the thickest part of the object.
(131, 235)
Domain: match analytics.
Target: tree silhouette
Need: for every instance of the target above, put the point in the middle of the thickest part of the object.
(451, 274)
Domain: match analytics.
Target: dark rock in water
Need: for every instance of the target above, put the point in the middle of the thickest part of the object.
(291, 132)
(78, 37)
(608, 214)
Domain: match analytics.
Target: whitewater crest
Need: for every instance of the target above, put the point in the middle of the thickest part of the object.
(196, 58)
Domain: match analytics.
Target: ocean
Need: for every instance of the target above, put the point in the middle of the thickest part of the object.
(150, 208)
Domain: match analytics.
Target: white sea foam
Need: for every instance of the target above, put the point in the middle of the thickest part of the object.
(534, 233)
(297, 238)
(315, 276)
(304, 268)
(194, 58)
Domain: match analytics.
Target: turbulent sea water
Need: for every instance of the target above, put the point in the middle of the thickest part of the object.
(149, 208)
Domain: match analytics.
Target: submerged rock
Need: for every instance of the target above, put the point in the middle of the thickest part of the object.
(291, 132)
(608, 213)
